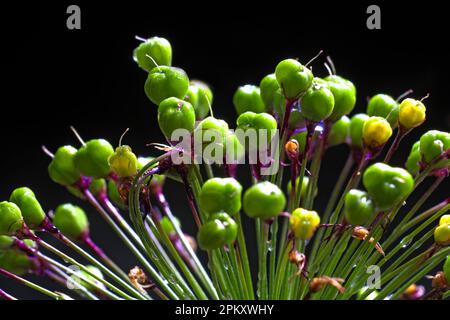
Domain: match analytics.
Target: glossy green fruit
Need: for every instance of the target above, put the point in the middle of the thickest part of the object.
(411, 113)
(383, 105)
(168, 226)
(221, 194)
(376, 132)
(234, 150)
(339, 132)
(414, 158)
(344, 93)
(91, 159)
(123, 162)
(442, 234)
(175, 114)
(305, 182)
(248, 98)
(6, 242)
(263, 124)
(166, 82)
(268, 88)
(11, 219)
(98, 187)
(220, 230)
(359, 207)
(432, 144)
(447, 269)
(71, 221)
(158, 48)
(62, 168)
(212, 133)
(304, 223)
(264, 200)
(293, 78)
(387, 185)
(318, 101)
(97, 272)
(356, 129)
(31, 209)
(200, 96)
(15, 261)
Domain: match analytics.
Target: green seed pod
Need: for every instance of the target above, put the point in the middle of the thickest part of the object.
(300, 137)
(447, 269)
(358, 208)
(168, 226)
(175, 114)
(11, 219)
(31, 209)
(212, 132)
(87, 276)
(339, 132)
(15, 261)
(414, 158)
(62, 168)
(264, 200)
(200, 96)
(344, 94)
(293, 78)
(123, 162)
(160, 51)
(432, 144)
(268, 87)
(114, 195)
(71, 221)
(305, 183)
(356, 129)
(411, 113)
(383, 105)
(376, 132)
(6, 242)
(234, 150)
(91, 159)
(221, 194)
(248, 98)
(304, 223)
(166, 82)
(258, 122)
(386, 185)
(442, 234)
(97, 187)
(318, 101)
(220, 230)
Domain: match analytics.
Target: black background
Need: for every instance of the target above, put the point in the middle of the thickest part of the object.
(54, 77)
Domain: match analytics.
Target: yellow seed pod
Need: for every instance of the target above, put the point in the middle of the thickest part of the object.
(411, 113)
(376, 132)
(123, 162)
(442, 234)
(304, 223)
(445, 219)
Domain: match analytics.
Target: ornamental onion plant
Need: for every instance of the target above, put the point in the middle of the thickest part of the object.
(283, 129)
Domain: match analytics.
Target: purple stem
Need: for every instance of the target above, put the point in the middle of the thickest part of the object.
(401, 133)
(6, 296)
(287, 115)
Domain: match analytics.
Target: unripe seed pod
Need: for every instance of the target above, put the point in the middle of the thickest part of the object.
(91, 159)
(31, 209)
(318, 101)
(356, 129)
(15, 261)
(300, 137)
(304, 223)
(293, 78)
(175, 114)
(88, 276)
(414, 158)
(268, 87)
(158, 48)
(432, 144)
(6, 242)
(98, 187)
(339, 131)
(359, 208)
(261, 123)
(387, 185)
(444, 219)
(383, 105)
(248, 98)
(442, 234)
(305, 183)
(221, 194)
(11, 219)
(62, 168)
(123, 162)
(411, 113)
(213, 133)
(200, 96)
(447, 269)
(71, 221)
(220, 230)
(264, 200)
(234, 150)
(344, 94)
(376, 132)
(165, 82)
